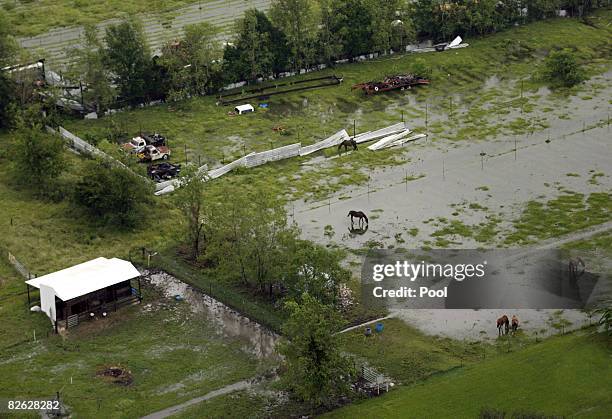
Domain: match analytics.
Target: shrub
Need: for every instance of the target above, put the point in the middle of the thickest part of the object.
(562, 69)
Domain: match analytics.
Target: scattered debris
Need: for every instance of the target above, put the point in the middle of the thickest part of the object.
(116, 374)
(401, 82)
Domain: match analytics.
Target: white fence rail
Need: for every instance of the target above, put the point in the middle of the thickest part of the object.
(383, 132)
(334, 140)
(280, 153)
(220, 171)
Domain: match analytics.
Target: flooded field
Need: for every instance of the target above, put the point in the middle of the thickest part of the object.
(499, 174)
(471, 181)
(258, 340)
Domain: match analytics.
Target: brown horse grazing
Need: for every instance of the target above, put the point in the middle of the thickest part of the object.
(347, 144)
(503, 322)
(515, 323)
(360, 215)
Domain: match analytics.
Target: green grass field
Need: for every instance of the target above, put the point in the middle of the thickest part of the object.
(565, 376)
(35, 17)
(173, 355)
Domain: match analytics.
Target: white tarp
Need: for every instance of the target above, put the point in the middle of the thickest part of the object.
(47, 301)
(334, 140)
(383, 132)
(384, 142)
(86, 277)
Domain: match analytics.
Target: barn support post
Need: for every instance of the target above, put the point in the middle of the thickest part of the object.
(29, 301)
(139, 292)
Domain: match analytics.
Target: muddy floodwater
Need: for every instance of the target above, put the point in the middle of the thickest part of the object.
(257, 340)
(469, 181)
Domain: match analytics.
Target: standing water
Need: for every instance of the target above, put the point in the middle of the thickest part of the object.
(259, 341)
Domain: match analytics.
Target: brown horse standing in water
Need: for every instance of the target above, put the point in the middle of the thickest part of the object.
(503, 322)
(360, 215)
(515, 323)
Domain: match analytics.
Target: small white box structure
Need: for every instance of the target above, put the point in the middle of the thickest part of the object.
(240, 109)
(84, 290)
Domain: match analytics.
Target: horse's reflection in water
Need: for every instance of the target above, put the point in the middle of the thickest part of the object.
(357, 231)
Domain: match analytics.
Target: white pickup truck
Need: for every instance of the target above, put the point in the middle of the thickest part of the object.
(152, 153)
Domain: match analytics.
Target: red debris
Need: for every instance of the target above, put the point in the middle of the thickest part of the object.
(402, 82)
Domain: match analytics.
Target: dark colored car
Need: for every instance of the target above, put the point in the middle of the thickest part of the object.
(156, 139)
(163, 171)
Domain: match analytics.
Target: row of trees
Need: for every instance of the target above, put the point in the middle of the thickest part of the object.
(245, 239)
(295, 34)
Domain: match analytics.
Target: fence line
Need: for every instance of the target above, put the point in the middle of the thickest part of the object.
(334, 140)
(383, 132)
(19, 267)
(81, 146)
(280, 153)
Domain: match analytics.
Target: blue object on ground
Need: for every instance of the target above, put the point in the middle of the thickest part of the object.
(263, 105)
(379, 327)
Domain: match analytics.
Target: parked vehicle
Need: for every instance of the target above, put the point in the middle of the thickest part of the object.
(138, 144)
(163, 171)
(152, 153)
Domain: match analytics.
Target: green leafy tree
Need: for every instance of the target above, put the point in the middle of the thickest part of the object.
(8, 49)
(128, 58)
(606, 316)
(192, 62)
(297, 20)
(38, 159)
(317, 372)
(250, 238)
(112, 194)
(253, 53)
(190, 199)
(88, 68)
(315, 270)
(329, 44)
(562, 69)
(352, 24)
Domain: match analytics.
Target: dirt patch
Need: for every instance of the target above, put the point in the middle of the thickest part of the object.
(115, 374)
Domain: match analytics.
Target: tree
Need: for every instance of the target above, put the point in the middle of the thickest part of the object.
(38, 159)
(190, 199)
(112, 194)
(128, 58)
(315, 270)
(192, 62)
(352, 26)
(317, 372)
(250, 238)
(251, 55)
(8, 48)
(329, 45)
(297, 20)
(562, 69)
(606, 316)
(88, 69)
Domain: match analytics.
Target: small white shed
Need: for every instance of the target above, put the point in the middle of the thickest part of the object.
(240, 109)
(85, 290)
